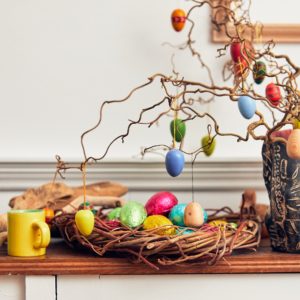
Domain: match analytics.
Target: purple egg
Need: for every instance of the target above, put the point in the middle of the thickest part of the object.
(174, 162)
(161, 203)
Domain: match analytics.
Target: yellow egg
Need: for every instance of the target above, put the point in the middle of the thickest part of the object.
(218, 223)
(156, 221)
(85, 221)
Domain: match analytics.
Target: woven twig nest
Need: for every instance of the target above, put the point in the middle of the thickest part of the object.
(205, 245)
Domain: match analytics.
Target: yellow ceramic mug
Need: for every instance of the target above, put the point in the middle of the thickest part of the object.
(28, 234)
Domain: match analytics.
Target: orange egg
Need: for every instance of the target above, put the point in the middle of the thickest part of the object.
(293, 144)
(193, 215)
(178, 19)
(49, 214)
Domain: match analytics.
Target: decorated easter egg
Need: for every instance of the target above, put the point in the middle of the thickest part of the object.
(178, 19)
(218, 223)
(184, 230)
(293, 144)
(205, 215)
(49, 214)
(259, 72)
(156, 221)
(177, 214)
(239, 51)
(85, 221)
(177, 128)
(193, 215)
(241, 68)
(88, 205)
(208, 144)
(233, 225)
(160, 203)
(247, 106)
(273, 93)
(114, 214)
(133, 214)
(174, 162)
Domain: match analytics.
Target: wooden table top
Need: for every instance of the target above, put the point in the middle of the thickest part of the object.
(61, 260)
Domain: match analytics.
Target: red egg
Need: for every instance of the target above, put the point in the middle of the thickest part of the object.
(161, 203)
(239, 51)
(273, 93)
(178, 19)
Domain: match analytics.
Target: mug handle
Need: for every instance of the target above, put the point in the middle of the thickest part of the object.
(44, 239)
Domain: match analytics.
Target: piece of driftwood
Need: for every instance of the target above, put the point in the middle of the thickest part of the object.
(59, 195)
(103, 201)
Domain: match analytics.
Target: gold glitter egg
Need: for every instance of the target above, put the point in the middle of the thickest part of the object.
(156, 221)
(218, 223)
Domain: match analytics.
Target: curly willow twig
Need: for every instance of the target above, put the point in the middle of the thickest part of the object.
(282, 70)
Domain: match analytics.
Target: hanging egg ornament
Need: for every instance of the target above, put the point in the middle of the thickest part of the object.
(133, 214)
(160, 203)
(241, 68)
(85, 221)
(293, 144)
(156, 221)
(178, 19)
(259, 72)
(177, 128)
(273, 93)
(114, 214)
(193, 215)
(174, 162)
(239, 51)
(247, 106)
(208, 144)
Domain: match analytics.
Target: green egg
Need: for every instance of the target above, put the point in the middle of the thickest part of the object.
(178, 127)
(259, 72)
(208, 145)
(114, 214)
(133, 214)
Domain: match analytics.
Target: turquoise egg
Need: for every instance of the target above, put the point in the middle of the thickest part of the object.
(177, 214)
(205, 215)
(247, 106)
(183, 230)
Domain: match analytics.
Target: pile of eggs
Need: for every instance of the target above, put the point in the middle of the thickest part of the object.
(160, 212)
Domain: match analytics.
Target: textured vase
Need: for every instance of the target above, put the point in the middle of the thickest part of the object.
(282, 180)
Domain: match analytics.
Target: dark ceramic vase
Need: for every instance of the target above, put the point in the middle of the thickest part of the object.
(282, 180)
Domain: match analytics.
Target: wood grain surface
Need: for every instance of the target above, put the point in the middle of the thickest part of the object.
(61, 260)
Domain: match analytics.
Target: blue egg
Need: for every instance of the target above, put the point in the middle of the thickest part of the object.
(177, 214)
(247, 107)
(174, 162)
(183, 230)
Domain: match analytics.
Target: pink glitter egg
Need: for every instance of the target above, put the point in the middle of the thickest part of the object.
(161, 203)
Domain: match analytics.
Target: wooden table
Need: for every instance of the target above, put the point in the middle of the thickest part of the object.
(61, 260)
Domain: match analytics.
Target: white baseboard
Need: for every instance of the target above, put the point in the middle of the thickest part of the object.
(209, 176)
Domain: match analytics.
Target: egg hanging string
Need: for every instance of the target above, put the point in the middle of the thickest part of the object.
(84, 184)
(192, 169)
